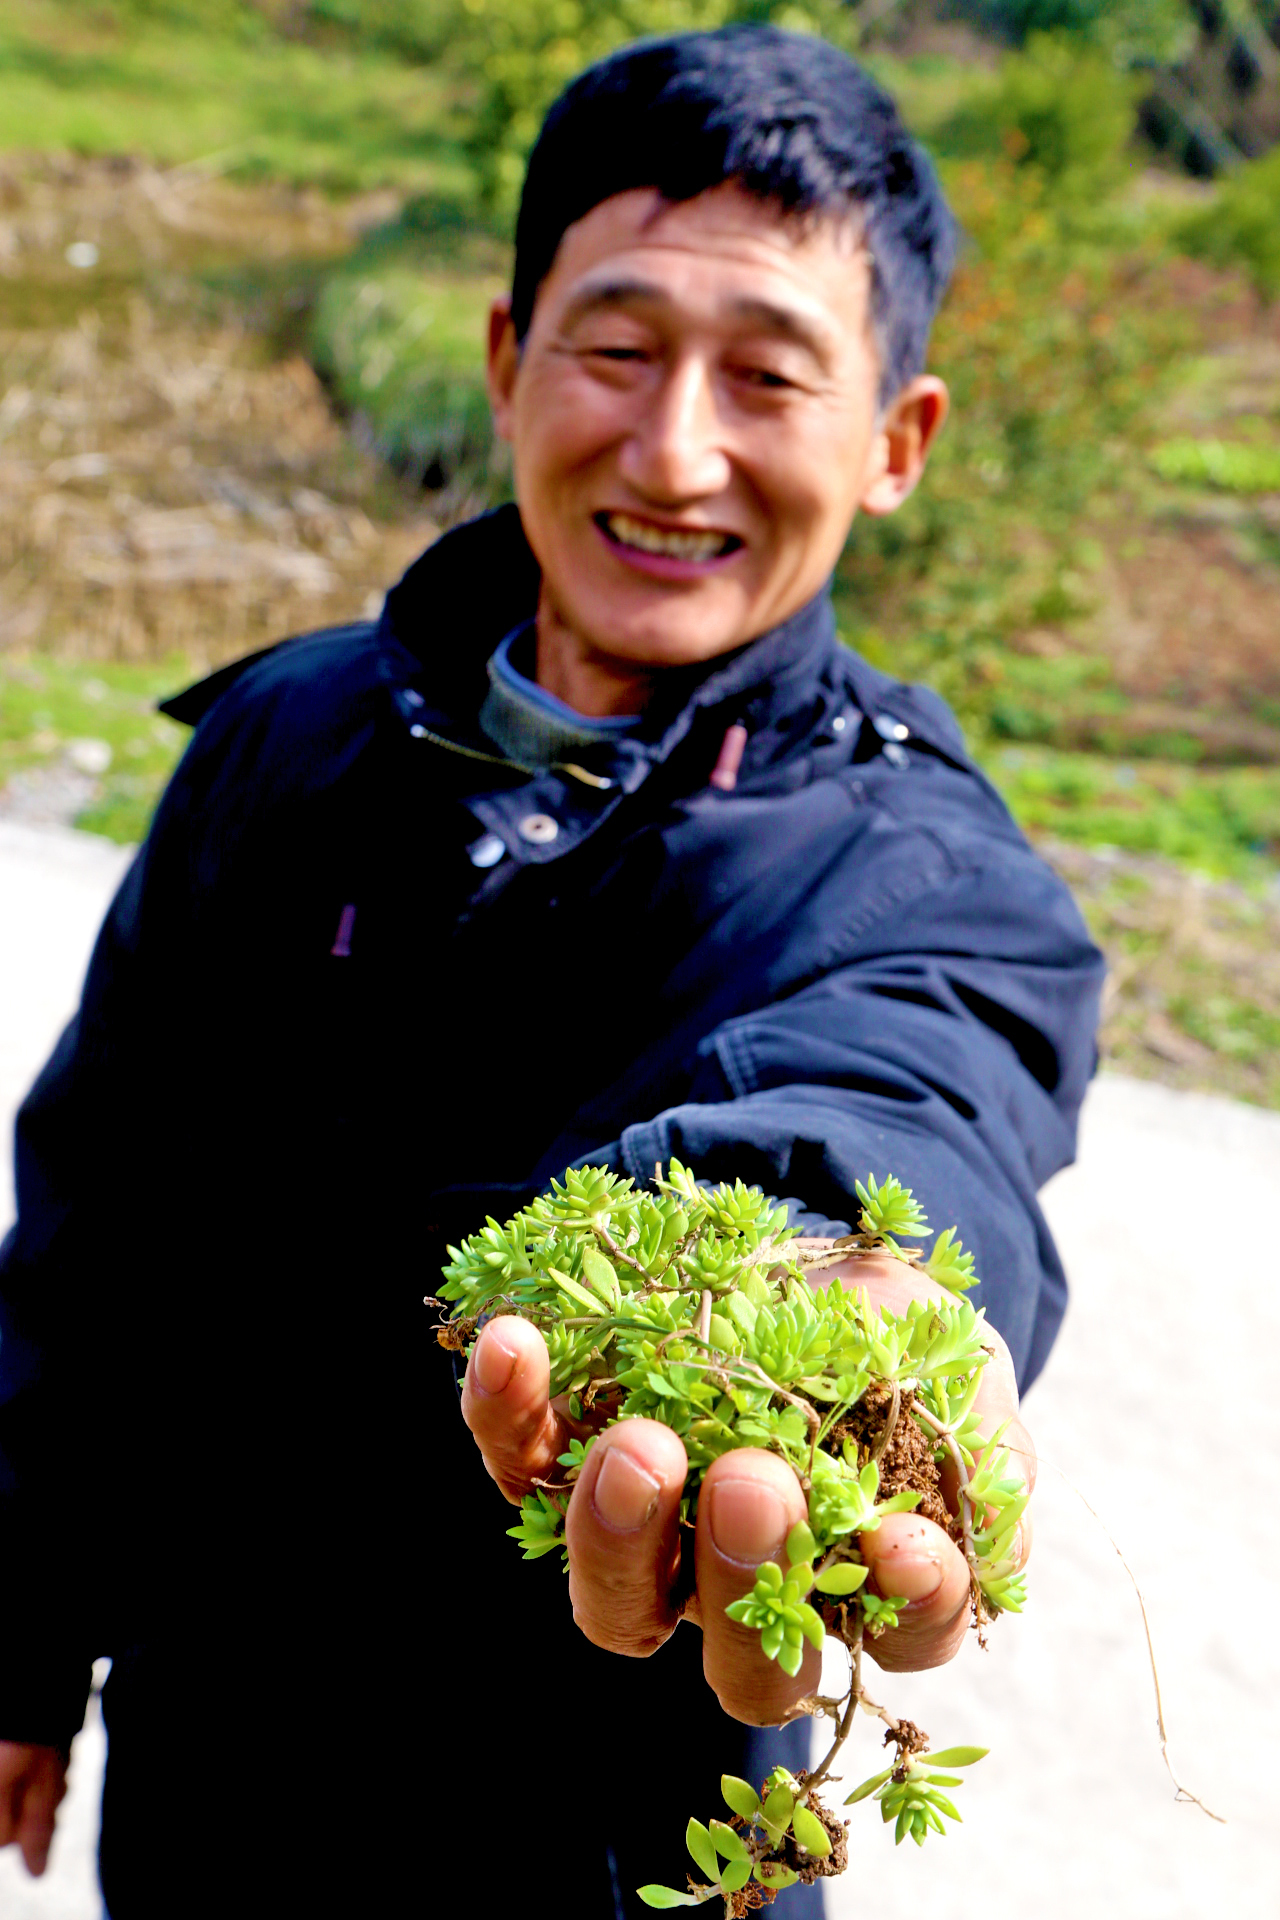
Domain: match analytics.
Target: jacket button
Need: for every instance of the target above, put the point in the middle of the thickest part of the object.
(890, 729)
(486, 851)
(539, 829)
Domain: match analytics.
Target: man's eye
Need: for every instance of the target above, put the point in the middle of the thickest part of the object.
(765, 377)
(617, 353)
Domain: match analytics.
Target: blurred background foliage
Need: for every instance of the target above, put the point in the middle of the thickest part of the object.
(1091, 573)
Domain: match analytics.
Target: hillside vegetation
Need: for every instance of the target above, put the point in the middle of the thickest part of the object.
(1091, 572)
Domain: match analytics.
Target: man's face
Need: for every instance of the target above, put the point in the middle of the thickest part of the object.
(693, 420)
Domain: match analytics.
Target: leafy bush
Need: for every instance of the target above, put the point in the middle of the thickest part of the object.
(398, 333)
(415, 29)
(1066, 111)
(515, 56)
(1241, 226)
(1056, 348)
(1146, 29)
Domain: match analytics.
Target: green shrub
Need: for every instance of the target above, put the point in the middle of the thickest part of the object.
(1231, 465)
(415, 29)
(401, 346)
(1241, 226)
(1056, 349)
(1147, 29)
(1064, 110)
(514, 56)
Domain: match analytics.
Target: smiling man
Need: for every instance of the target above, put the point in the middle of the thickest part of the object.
(597, 846)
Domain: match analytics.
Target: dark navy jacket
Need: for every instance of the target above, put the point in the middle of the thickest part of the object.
(318, 1040)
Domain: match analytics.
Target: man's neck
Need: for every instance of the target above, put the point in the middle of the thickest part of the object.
(593, 683)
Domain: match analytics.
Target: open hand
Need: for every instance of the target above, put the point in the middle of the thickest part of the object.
(32, 1783)
(622, 1528)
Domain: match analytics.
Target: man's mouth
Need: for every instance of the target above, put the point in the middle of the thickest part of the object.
(668, 543)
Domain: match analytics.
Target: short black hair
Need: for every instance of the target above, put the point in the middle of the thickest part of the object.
(787, 116)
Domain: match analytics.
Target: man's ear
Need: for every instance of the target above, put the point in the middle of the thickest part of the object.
(901, 446)
(502, 364)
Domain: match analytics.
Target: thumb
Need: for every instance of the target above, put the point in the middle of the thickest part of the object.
(45, 1788)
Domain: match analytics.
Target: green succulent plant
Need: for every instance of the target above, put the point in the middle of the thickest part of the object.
(692, 1306)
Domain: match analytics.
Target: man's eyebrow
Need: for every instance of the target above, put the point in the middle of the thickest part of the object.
(788, 322)
(774, 318)
(609, 293)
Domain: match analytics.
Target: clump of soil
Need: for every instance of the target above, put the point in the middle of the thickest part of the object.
(807, 1865)
(790, 1854)
(908, 1738)
(907, 1463)
(747, 1900)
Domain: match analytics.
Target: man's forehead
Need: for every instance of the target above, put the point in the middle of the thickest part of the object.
(751, 258)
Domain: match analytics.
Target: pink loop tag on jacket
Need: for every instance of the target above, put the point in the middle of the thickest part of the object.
(341, 948)
(725, 772)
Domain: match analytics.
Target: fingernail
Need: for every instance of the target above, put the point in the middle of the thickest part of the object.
(493, 1363)
(749, 1521)
(625, 1496)
(913, 1575)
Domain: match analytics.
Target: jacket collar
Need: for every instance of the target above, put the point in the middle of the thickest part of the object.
(477, 582)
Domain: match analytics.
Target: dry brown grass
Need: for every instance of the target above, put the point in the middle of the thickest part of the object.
(168, 483)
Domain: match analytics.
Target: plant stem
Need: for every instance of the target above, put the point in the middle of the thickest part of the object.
(966, 1504)
(615, 1252)
(844, 1725)
(704, 1316)
(1180, 1792)
(886, 1434)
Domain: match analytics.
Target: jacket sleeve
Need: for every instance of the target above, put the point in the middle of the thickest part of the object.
(87, 1155)
(951, 1048)
(84, 1164)
(51, 1291)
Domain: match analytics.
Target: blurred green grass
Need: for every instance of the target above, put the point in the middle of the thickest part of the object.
(217, 83)
(1234, 466)
(1223, 822)
(51, 709)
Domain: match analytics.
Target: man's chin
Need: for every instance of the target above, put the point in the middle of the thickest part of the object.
(650, 643)
(653, 654)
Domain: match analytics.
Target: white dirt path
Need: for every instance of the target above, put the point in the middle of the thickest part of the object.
(1168, 1349)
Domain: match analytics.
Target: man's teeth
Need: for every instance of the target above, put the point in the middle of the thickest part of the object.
(675, 545)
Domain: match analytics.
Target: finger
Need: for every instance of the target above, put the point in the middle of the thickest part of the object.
(895, 1284)
(997, 1405)
(10, 1801)
(40, 1801)
(623, 1534)
(997, 1408)
(506, 1404)
(913, 1559)
(749, 1502)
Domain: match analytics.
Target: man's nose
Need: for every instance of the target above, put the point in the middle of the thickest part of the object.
(676, 451)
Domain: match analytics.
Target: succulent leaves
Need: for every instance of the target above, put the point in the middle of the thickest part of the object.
(910, 1794)
(617, 1279)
